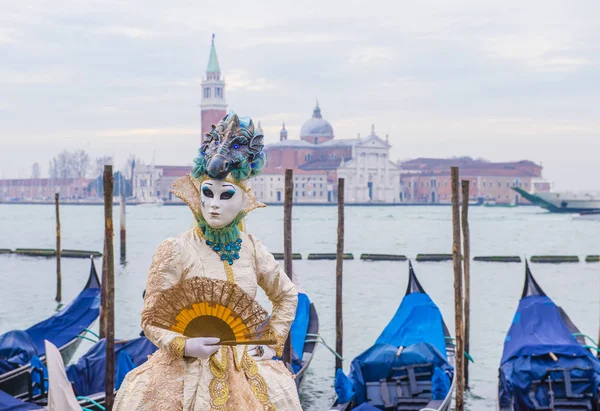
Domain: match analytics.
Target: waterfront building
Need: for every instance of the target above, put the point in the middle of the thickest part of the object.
(309, 187)
(152, 182)
(370, 175)
(427, 180)
(43, 189)
(318, 159)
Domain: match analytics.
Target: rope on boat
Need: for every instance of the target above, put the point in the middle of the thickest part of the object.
(592, 347)
(454, 345)
(87, 330)
(595, 344)
(320, 340)
(80, 398)
(83, 337)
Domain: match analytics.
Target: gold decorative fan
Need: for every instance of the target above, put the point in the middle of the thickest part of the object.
(206, 307)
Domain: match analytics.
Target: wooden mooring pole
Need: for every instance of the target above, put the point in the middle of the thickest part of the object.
(464, 218)
(58, 274)
(458, 293)
(288, 198)
(122, 222)
(339, 265)
(108, 286)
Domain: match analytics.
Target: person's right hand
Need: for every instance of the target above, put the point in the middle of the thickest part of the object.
(201, 347)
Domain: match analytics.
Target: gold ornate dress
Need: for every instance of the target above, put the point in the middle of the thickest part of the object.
(230, 379)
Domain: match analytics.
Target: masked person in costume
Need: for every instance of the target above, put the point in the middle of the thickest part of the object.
(216, 257)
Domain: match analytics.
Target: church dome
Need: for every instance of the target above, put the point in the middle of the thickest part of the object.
(316, 126)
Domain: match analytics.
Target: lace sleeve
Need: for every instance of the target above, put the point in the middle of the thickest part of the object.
(165, 271)
(280, 290)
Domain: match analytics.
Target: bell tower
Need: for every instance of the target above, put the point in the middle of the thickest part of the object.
(283, 134)
(213, 106)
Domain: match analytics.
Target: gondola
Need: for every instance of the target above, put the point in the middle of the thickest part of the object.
(546, 364)
(304, 331)
(64, 329)
(10, 403)
(88, 374)
(411, 365)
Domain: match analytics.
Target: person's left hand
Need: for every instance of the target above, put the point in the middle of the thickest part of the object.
(261, 352)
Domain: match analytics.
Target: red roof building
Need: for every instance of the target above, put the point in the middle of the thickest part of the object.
(43, 189)
(427, 180)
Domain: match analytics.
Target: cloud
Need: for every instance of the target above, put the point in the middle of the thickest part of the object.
(237, 80)
(443, 78)
(25, 78)
(288, 39)
(373, 56)
(147, 132)
(408, 86)
(7, 35)
(542, 51)
(129, 32)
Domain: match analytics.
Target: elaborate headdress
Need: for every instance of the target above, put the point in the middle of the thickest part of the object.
(231, 151)
(233, 147)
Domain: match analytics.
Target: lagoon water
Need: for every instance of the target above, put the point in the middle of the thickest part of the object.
(372, 290)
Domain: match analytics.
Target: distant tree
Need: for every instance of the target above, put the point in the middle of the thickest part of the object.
(100, 163)
(35, 170)
(81, 163)
(129, 166)
(68, 165)
(65, 165)
(127, 172)
(54, 168)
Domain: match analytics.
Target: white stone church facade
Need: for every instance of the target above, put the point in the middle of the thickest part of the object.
(370, 176)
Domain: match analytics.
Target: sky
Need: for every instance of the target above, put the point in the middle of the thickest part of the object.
(504, 81)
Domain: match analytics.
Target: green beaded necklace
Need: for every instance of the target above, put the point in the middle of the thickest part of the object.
(226, 241)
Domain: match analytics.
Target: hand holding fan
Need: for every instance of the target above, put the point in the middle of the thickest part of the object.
(206, 307)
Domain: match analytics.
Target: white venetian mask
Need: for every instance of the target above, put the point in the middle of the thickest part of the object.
(220, 202)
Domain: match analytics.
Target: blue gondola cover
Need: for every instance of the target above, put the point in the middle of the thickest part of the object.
(344, 388)
(88, 374)
(124, 365)
(440, 383)
(366, 407)
(67, 323)
(18, 347)
(39, 378)
(417, 319)
(299, 330)
(418, 327)
(9, 403)
(538, 329)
